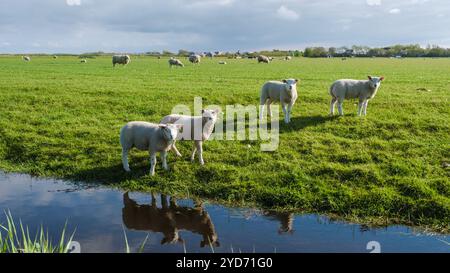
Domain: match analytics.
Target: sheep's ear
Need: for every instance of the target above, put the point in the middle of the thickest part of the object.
(370, 78)
(285, 81)
(381, 78)
(297, 80)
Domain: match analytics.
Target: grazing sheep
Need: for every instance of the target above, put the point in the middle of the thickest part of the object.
(148, 136)
(222, 62)
(285, 92)
(120, 59)
(263, 59)
(195, 59)
(350, 89)
(287, 58)
(192, 130)
(175, 62)
(55, 57)
(83, 61)
(26, 58)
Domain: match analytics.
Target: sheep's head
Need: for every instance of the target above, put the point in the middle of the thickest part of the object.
(210, 116)
(291, 85)
(170, 131)
(375, 82)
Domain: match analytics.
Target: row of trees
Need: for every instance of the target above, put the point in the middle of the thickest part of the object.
(391, 51)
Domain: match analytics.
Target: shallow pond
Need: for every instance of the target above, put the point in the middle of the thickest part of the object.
(100, 216)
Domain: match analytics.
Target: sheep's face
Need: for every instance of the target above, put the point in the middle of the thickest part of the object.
(375, 82)
(210, 116)
(291, 85)
(170, 131)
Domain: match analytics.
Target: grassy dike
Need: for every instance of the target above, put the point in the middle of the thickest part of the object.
(61, 118)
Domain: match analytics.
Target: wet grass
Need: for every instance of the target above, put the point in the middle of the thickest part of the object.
(62, 118)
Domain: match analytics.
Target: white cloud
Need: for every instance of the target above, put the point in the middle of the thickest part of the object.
(373, 2)
(394, 11)
(73, 2)
(287, 14)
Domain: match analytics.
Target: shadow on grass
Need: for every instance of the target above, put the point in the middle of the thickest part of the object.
(299, 123)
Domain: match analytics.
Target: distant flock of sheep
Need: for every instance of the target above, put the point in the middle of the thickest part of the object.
(161, 137)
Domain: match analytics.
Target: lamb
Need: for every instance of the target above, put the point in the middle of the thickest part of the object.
(193, 131)
(55, 57)
(364, 90)
(26, 58)
(195, 59)
(83, 61)
(263, 59)
(175, 62)
(120, 59)
(285, 92)
(148, 136)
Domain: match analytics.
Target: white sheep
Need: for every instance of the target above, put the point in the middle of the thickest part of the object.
(197, 128)
(26, 58)
(364, 90)
(263, 59)
(55, 57)
(287, 58)
(195, 59)
(285, 92)
(83, 61)
(121, 59)
(175, 62)
(148, 136)
(222, 62)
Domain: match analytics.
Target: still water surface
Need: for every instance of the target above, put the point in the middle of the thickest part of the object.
(100, 216)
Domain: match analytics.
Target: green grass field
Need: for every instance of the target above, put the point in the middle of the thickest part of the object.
(61, 118)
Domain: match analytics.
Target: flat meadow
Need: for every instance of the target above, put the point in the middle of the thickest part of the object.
(61, 118)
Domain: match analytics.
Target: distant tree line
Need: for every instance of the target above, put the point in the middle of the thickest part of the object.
(390, 51)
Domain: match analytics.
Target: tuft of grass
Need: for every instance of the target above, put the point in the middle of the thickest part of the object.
(62, 119)
(18, 239)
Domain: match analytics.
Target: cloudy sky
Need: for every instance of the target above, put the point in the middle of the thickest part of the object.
(76, 26)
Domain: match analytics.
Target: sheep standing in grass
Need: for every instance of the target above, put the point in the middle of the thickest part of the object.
(55, 57)
(195, 59)
(263, 59)
(83, 61)
(175, 62)
(26, 58)
(148, 136)
(364, 90)
(120, 59)
(222, 62)
(287, 58)
(285, 92)
(197, 128)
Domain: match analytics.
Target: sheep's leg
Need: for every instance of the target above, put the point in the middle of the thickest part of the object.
(194, 149)
(152, 162)
(174, 148)
(164, 160)
(332, 106)
(200, 151)
(360, 107)
(269, 110)
(126, 167)
(285, 113)
(289, 110)
(261, 110)
(365, 107)
(340, 102)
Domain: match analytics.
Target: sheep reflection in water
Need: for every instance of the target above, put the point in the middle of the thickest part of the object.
(169, 219)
